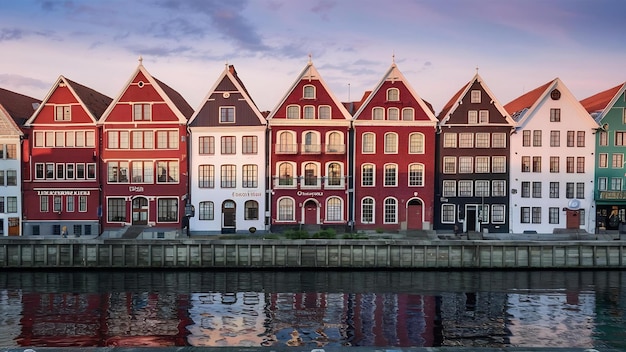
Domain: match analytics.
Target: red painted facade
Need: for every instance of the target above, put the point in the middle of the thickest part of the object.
(144, 156)
(61, 177)
(394, 167)
(308, 164)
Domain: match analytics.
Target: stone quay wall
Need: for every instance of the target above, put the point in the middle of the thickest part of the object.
(300, 254)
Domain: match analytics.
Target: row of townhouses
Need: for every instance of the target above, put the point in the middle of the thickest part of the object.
(146, 163)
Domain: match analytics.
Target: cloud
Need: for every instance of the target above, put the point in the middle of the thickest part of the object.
(11, 34)
(161, 51)
(323, 8)
(13, 80)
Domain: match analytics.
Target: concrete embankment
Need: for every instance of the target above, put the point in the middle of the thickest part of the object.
(336, 254)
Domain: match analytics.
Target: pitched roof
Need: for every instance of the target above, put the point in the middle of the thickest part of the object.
(446, 108)
(19, 107)
(176, 98)
(600, 101)
(94, 101)
(527, 100)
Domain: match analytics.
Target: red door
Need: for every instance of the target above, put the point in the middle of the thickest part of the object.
(573, 219)
(414, 215)
(310, 213)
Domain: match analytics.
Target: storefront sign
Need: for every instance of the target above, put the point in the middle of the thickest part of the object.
(135, 189)
(310, 194)
(247, 194)
(63, 193)
(618, 195)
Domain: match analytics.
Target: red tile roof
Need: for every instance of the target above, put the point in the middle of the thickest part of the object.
(600, 100)
(527, 100)
(19, 106)
(95, 101)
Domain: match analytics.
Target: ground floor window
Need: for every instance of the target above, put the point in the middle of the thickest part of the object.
(536, 215)
(167, 209)
(334, 209)
(116, 209)
(447, 213)
(497, 213)
(285, 209)
(251, 210)
(525, 215)
(391, 211)
(206, 211)
(367, 210)
(553, 215)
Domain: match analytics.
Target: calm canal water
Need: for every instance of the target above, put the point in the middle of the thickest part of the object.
(314, 309)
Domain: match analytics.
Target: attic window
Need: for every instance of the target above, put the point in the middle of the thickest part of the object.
(140, 84)
(63, 113)
(308, 92)
(475, 96)
(393, 94)
(555, 94)
(227, 114)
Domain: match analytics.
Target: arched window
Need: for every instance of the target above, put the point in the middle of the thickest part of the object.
(311, 142)
(367, 210)
(408, 114)
(393, 94)
(308, 92)
(334, 143)
(391, 175)
(311, 175)
(285, 209)
(368, 141)
(416, 143)
(391, 143)
(416, 175)
(285, 174)
(334, 209)
(309, 112)
(391, 211)
(323, 112)
(251, 210)
(293, 112)
(393, 114)
(285, 143)
(367, 175)
(378, 114)
(334, 174)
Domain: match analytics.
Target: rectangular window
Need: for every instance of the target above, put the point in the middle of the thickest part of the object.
(250, 145)
(616, 183)
(465, 188)
(167, 139)
(142, 112)
(44, 204)
(580, 190)
(117, 171)
(570, 164)
(555, 138)
(116, 210)
(569, 190)
(69, 171)
(49, 139)
(553, 215)
(498, 213)
(570, 138)
(525, 189)
(537, 138)
(227, 114)
(40, 171)
(449, 165)
(483, 116)
(143, 171)
(59, 139)
(580, 164)
(50, 171)
(167, 210)
(91, 171)
(63, 113)
(56, 204)
(228, 176)
(482, 164)
(60, 171)
(554, 190)
(206, 176)
(250, 176)
(2, 209)
(482, 140)
(498, 188)
(602, 183)
(80, 171)
(555, 115)
(536, 189)
(367, 175)
(416, 175)
(167, 171)
(229, 145)
(206, 211)
(603, 160)
(449, 188)
(368, 143)
(466, 140)
(82, 204)
(472, 117)
(525, 215)
(536, 164)
(526, 138)
(554, 164)
(536, 215)
(498, 140)
(70, 139)
(39, 141)
(449, 140)
(525, 164)
(206, 145)
(475, 96)
(11, 151)
(11, 177)
(482, 188)
(466, 165)
(498, 164)
(447, 213)
(617, 161)
(604, 138)
(69, 203)
(367, 210)
(580, 138)
(2, 178)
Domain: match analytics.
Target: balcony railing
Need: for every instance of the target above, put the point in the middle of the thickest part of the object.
(335, 148)
(286, 148)
(310, 148)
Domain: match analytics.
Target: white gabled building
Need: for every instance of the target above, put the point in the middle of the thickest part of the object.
(552, 162)
(227, 161)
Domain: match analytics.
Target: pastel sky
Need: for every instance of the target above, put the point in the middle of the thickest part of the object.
(517, 45)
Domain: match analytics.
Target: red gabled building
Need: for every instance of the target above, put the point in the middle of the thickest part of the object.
(394, 133)
(144, 159)
(61, 182)
(308, 161)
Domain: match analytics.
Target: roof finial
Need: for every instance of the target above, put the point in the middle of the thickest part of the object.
(310, 58)
(393, 58)
(476, 69)
(140, 60)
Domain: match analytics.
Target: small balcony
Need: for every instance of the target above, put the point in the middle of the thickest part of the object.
(335, 148)
(286, 148)
(310, 148)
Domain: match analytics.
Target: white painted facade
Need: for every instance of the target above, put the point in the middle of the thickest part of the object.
(544, 210)
(10, 176)
(205, 225)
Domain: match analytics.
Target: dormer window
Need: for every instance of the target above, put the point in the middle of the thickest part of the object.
(393, 94)
(475, 96)
(63, 113)
(142, 112)
(227, 114)
(308, 92)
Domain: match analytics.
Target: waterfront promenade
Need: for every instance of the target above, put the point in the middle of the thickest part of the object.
(382, 251)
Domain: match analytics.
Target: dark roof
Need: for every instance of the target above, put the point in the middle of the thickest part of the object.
(178, 100)
(599, 101)
(19, 106)
(95, 101)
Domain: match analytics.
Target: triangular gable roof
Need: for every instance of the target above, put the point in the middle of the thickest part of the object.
(172, 98)
(93, 102)
(523, 107)
(18, 106)
(597, 104)
(230, 74)
(524, 102)
(393, 73)
(453, 103)
(310, 73)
